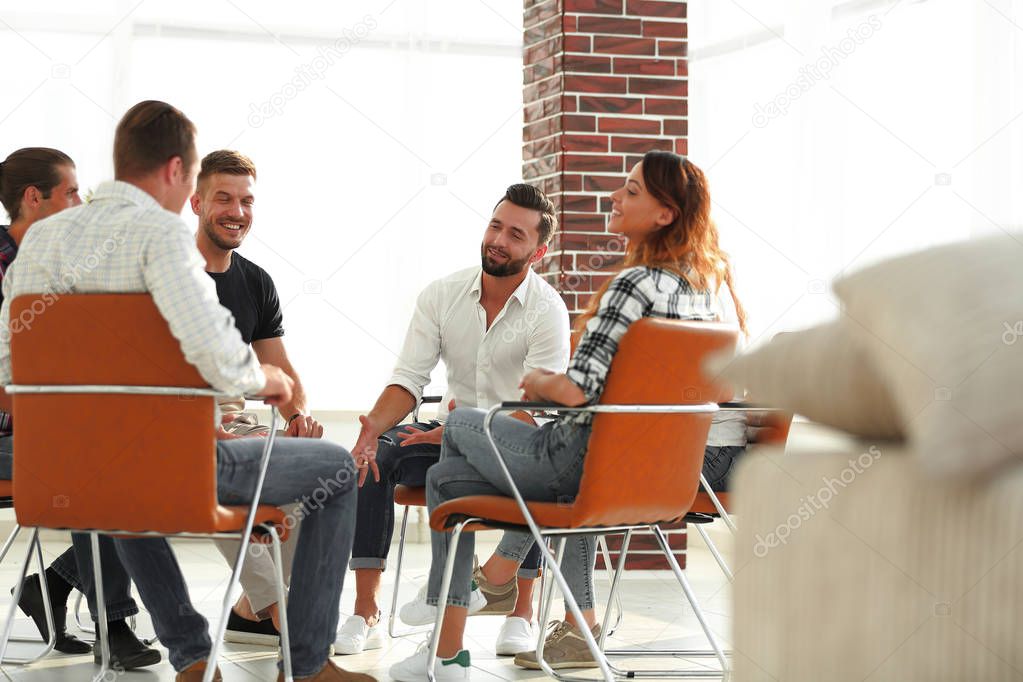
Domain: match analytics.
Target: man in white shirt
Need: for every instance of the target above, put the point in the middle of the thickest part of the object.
(130, 238)
(490, 325)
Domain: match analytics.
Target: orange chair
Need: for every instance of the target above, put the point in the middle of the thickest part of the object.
(657, 405)
(764, 427)
(109, 366)
(7, 502)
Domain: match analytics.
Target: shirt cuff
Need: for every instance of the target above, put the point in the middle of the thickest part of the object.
(408, 385)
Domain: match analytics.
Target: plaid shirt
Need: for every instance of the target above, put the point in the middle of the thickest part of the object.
(125, 242)
(633, 294)
(8, 250)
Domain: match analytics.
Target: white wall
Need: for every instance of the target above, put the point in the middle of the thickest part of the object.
(373, 180)
(912, 139)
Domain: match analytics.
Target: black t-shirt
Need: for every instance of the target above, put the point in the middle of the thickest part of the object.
(249, 293)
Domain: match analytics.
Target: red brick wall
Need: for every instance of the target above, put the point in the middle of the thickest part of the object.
(603, 82)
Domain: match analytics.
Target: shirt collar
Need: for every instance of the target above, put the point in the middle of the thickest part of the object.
(116, 190)
(520, 293)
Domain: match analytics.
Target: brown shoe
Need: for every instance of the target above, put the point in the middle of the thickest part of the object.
(500, 598)
(332, 673)
(195, 672)
(563, 648)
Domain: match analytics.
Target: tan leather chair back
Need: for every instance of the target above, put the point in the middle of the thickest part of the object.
(110, 462)
(645, 468)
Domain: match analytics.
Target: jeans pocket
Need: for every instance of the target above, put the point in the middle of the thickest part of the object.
(718, 463)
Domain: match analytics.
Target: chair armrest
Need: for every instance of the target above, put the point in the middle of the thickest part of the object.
(425, 400)
(698, 408)
(14, 389)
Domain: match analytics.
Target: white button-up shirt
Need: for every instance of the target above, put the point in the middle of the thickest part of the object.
(484, 366)
(123, 241)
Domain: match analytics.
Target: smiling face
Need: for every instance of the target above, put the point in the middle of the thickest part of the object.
(223, 203)
(635, 212)
(512, 240)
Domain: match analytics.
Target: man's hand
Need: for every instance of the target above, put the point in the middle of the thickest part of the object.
(365, 450)
(225, 435)
(413, 436)
(278, 387)
(304, 426)
(529, 385)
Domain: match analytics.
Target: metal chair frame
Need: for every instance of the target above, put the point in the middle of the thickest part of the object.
(608, 672)
(33, 544)
(243, 536)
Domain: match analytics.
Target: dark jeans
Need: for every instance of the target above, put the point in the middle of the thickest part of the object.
(315, 473)
(718, 462)
(75, 564)
(374, 526)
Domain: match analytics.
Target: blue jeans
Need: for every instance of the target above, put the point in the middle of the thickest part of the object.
(546, 464)
(315, 473)
(374, 525)
(75, 564)
(718, 462)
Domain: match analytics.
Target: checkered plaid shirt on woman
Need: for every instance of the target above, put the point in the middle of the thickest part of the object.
(633, 294)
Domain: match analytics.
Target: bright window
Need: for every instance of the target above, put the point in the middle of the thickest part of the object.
(383, 133)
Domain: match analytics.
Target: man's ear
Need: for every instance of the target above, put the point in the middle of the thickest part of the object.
(174, 170)
(196, 202)
(540, 252)
(31, 197)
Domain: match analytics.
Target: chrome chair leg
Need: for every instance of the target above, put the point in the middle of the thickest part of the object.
(33, 544)
(691, 597)
(282, 600)
(77, 610)
(614, 597)
(714, 552)
(392, 618)
(10, 541)
(442, 598)
(722, 512)
(615, 594)
(246, 537)
(101, 607)
(225, 609)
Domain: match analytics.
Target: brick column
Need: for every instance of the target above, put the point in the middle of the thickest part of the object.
(603, 82)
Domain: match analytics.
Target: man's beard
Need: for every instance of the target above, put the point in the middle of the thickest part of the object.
(512, 267)
(211, 232)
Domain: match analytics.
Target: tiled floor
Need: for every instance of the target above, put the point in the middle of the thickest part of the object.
(655, 616)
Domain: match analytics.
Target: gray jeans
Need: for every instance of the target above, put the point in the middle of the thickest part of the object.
(546, 464)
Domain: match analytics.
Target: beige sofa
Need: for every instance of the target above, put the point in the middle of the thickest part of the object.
(852, 565)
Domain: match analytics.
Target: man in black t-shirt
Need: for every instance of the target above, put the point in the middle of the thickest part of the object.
(223, 200)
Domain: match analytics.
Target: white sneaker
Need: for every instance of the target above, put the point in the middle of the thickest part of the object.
(418, 612)
(355, 636)
(517, 635)
(413, 668)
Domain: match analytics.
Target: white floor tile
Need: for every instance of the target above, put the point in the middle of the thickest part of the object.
(656, 617)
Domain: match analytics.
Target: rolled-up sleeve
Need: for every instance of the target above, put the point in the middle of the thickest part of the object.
(625, 301)
(549, 343)
(421, 350)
